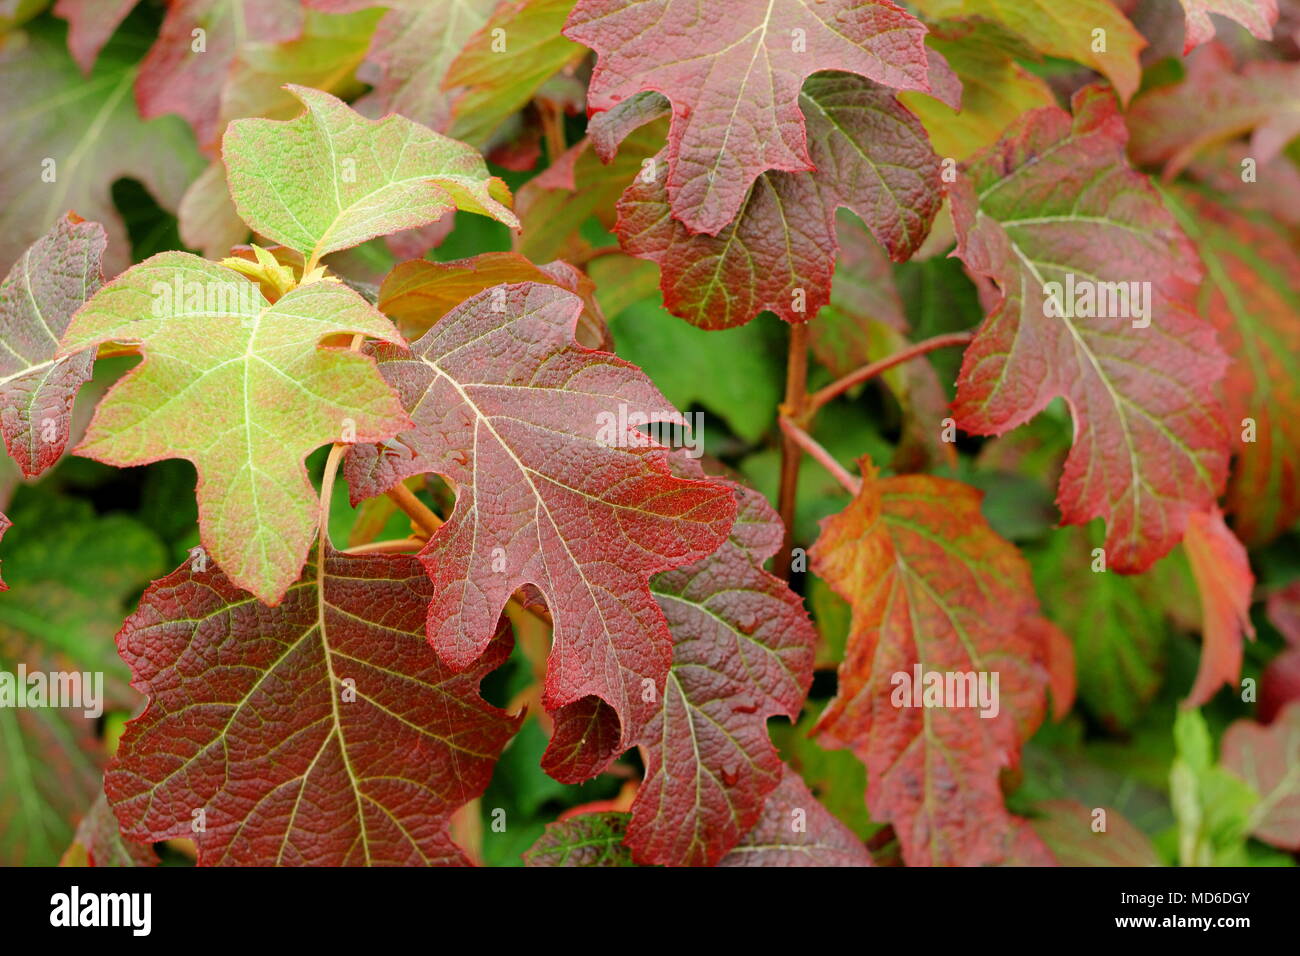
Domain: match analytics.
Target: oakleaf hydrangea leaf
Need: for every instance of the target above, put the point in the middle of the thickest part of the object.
(733, 72)
(1225, 582)
(935, 592)
(1268, 758)
(242, 388)
(332, 179)
(1257, 16)
(1251, 296)
(742, 652)
(99, 841)
(871, 155)
(321, 732)
(796, 830)
(69, 137)
(187, 69)
(556, 488)
(51, 280)
(1092, 302)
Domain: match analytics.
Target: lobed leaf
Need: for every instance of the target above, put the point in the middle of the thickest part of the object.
(1268, 758)
(242, 388)
(742, 652)
(933, 588)
(871, 155)
(46, 285)
(555, 488)
(733, 73)
(1222, 571)
(321, 732)
(332, 179)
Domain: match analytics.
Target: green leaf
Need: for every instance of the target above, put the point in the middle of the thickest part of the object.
(332, 179)
(70, 574)
(1214, 807)
(68, 138)
(240, 387)
(684, 362)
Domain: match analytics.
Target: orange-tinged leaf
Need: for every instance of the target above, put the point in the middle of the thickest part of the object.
(933, 589)
(1223, 577)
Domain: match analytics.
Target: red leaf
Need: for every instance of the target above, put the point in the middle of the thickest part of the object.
(47, 284)
(1066, 826)
(90, 24)
(742, 652)
(322, 731)
(1268, 758)
(1280, 682)
(176, 77)
(871, 156)
(933, 587)
(1222, 571)
(733, 72)
(796, 830)
(1054, 202)
(1257, 16)
(556, 488)
(1251, 297)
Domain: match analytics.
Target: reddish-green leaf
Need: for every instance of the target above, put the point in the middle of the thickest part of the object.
(1268, 758)
(871, 156)
(413, 46)
(51, 280)
(1222, 571)
(934, 591)
(99, 841)
(733, 73)
(796, 830)
(1054, 203)
(69, 137)
(242, 388)
(557, 488)
(1071, 832)
(332, 179)
(742, 652)
(323, 731)
(586, 839)
(1215, 104)
(1257, 16)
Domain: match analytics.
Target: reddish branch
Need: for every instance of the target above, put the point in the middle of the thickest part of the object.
(820, 455)
(867, 372)
(794, 407)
